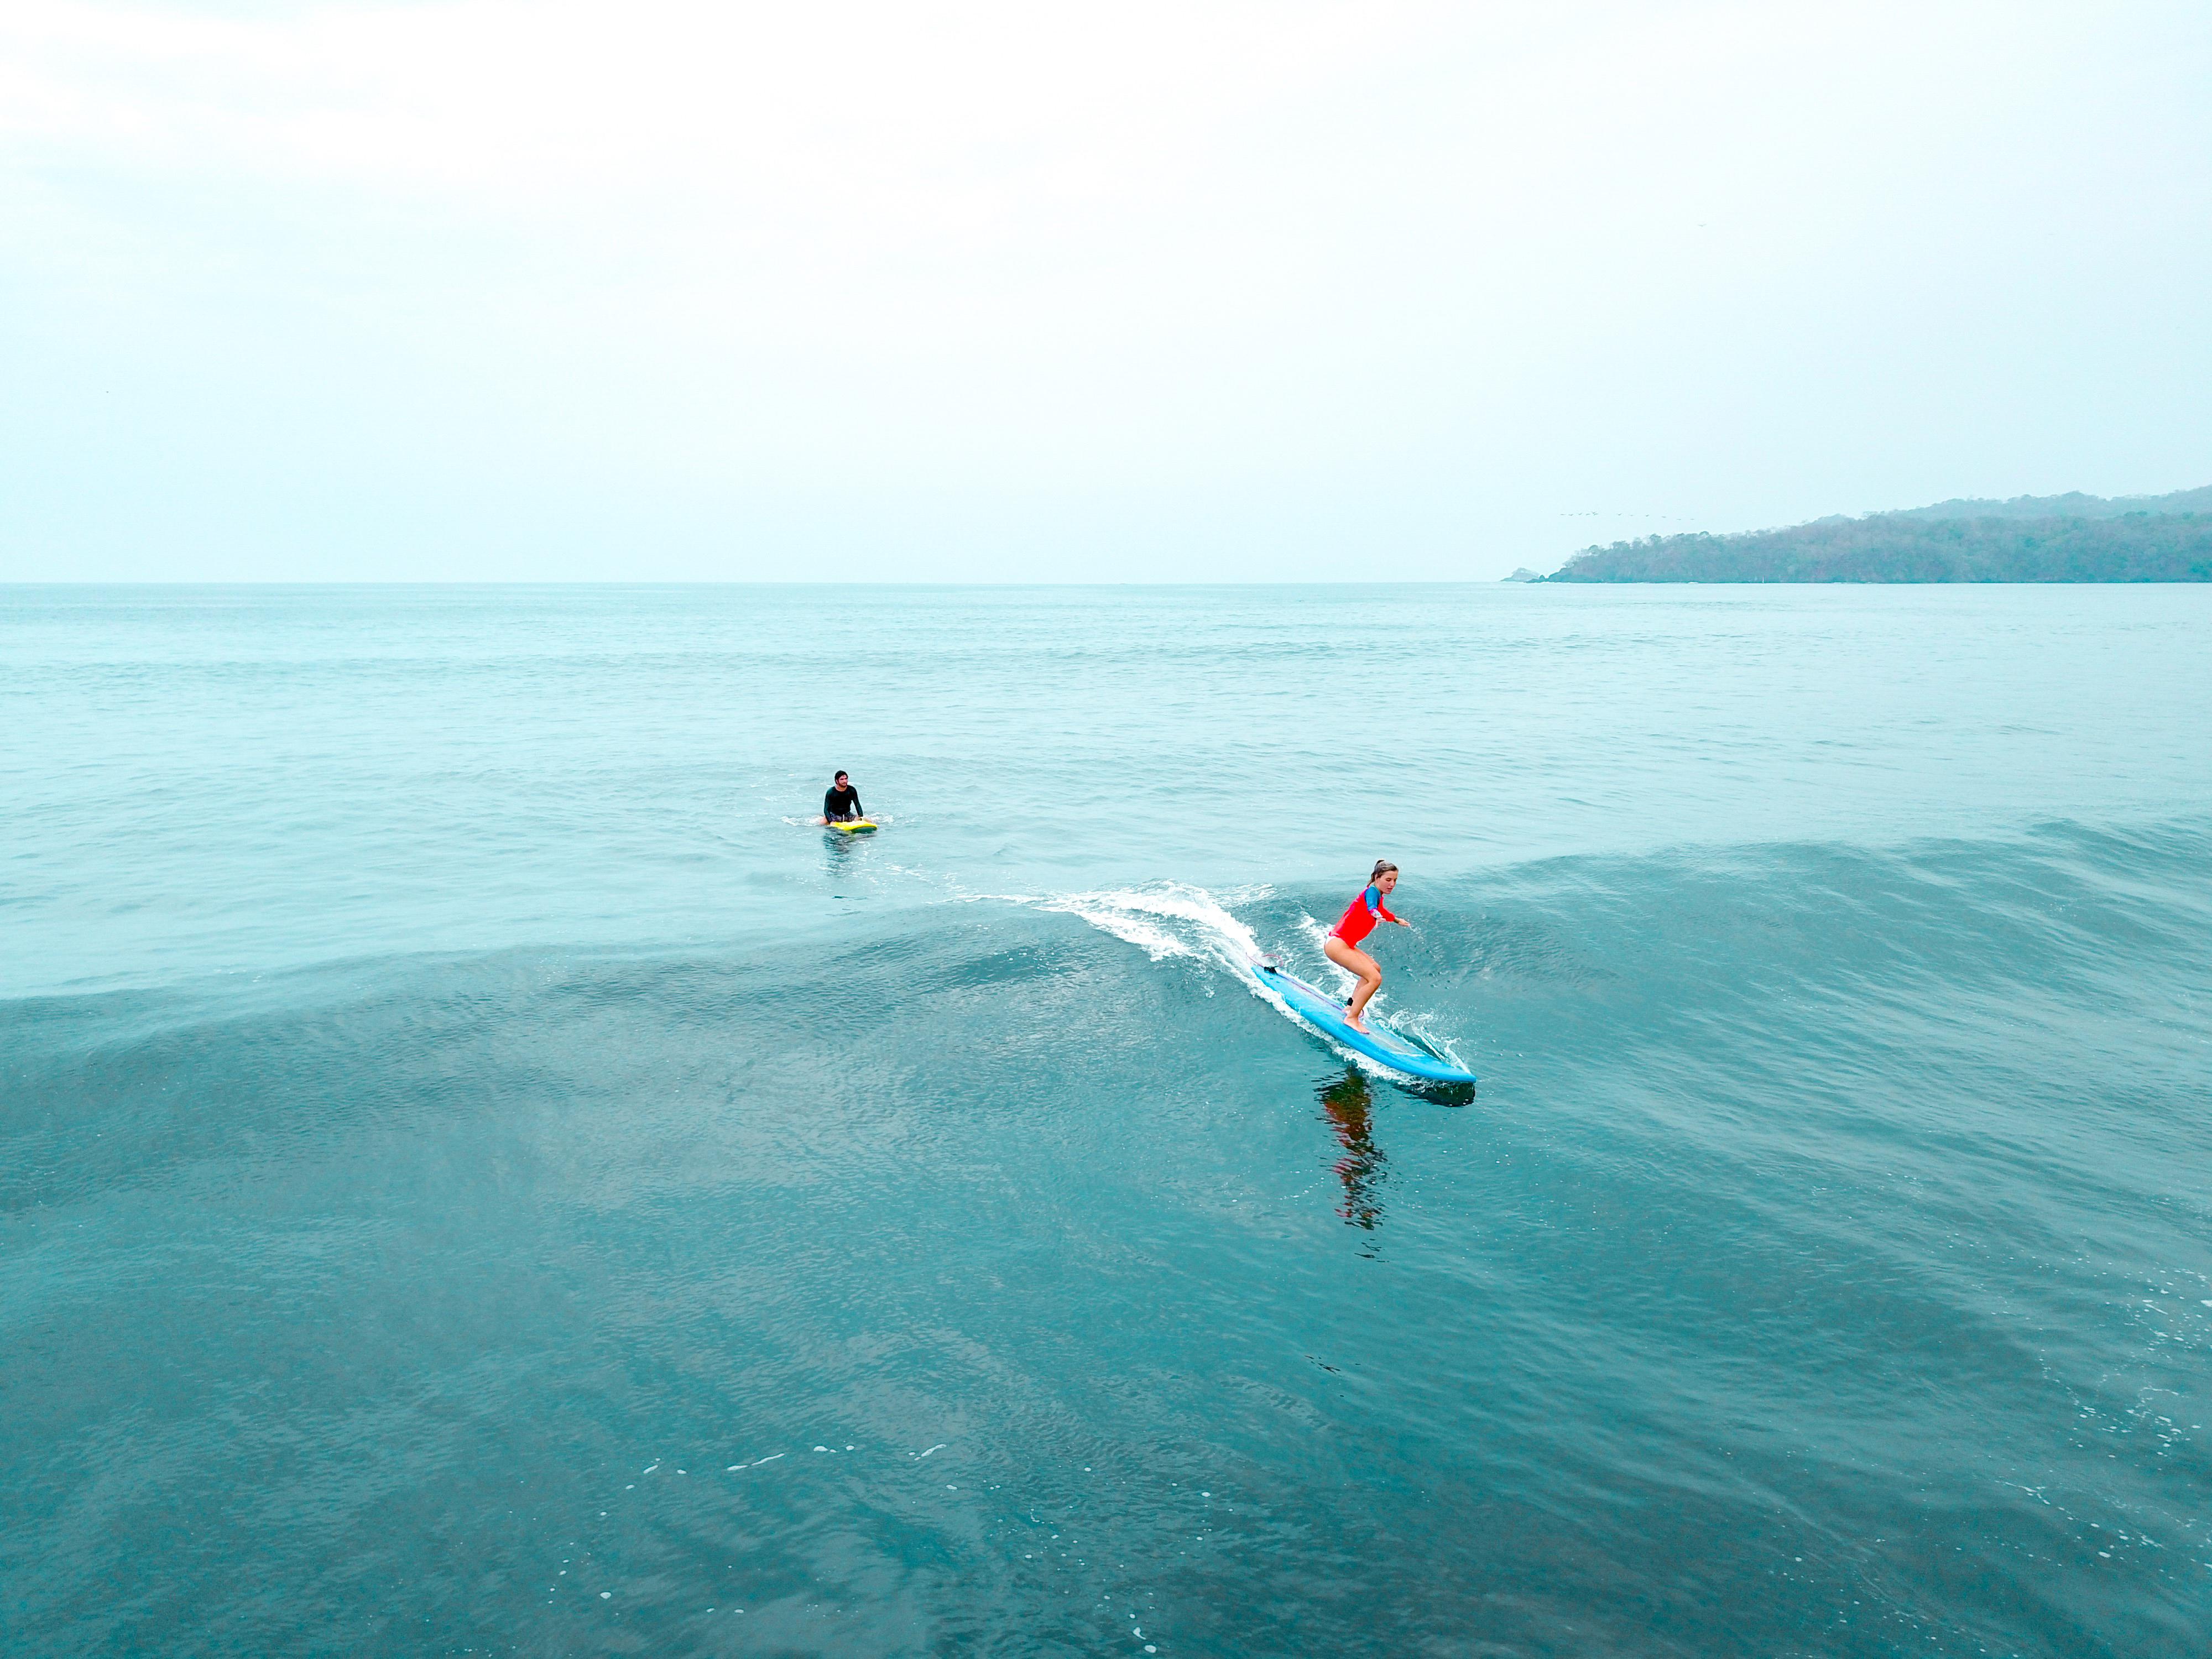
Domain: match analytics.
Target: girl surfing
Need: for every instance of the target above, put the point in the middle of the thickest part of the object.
(1342, 941)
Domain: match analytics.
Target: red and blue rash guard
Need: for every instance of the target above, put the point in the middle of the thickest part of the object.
(1360, 917)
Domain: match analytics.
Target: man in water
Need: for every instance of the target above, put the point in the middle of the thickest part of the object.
(842, 804)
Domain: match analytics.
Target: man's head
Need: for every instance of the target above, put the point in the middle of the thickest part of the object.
(844, 782)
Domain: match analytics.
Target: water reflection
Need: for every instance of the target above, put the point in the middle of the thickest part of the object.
(1348, 1104)
(838, 850)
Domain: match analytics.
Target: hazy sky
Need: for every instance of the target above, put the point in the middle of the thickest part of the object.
(655, 290)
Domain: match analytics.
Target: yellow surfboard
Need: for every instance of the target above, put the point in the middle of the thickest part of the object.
(855, 826)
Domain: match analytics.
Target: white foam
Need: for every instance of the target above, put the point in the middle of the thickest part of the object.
(1422, 1027)
(1166, 919)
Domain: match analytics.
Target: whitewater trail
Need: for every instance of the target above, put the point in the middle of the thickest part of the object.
(1167, 919)
(1172, 920)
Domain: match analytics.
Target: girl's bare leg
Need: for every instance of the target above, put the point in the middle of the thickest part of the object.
(1354, 960)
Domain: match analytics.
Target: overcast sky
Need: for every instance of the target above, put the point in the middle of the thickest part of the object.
(656, 289)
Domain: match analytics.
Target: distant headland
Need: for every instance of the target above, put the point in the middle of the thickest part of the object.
(2030, 538)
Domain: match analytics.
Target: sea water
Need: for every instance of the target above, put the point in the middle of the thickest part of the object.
(483, 1172)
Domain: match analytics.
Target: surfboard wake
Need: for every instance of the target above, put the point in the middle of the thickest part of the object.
(1173, 920)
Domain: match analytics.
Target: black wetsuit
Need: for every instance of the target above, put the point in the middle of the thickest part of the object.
(840, 804)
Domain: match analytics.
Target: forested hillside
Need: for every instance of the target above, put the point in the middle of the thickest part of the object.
(1930, 544)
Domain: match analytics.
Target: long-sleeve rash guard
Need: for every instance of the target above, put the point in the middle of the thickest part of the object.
(1360, 916)
(840, 804)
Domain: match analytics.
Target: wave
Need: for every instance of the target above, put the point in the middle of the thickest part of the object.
(2065, 911)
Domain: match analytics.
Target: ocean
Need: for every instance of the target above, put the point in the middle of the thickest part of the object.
(482, 1172)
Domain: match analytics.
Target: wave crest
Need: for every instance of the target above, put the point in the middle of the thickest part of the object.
(1167, 919)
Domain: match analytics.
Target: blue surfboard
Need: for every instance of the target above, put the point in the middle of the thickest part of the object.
(1325, 1014)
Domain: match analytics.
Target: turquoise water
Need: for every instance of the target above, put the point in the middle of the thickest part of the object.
(481, 1173)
